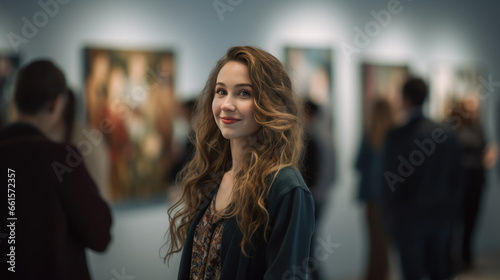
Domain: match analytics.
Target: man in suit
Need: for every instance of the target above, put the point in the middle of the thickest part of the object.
(421, 188)
(54, 210)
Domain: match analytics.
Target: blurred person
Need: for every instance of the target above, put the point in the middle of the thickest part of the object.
(58, 210)
(183, 151)
(369, 165)
(492, 152)
(245, 211)
(465, 118)
(318, 169)
(421, 188)
(311, 156)
(187, 148)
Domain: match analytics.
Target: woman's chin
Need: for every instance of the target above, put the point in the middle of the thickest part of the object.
(228, 136)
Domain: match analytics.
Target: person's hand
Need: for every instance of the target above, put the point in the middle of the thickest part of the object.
(490, 155)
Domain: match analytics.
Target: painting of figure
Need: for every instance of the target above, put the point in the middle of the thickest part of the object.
(130, 93)
(382, 81)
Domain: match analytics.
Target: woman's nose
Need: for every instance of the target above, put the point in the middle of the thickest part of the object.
(228, 104)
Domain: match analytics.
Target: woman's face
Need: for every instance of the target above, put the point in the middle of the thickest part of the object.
(232, 105)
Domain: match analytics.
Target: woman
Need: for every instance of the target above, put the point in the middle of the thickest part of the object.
(245, 211)
(369, 163)
(465, 118)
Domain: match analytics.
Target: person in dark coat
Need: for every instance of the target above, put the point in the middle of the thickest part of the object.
(421, 188)
(55, 209)
(318, 169)
(464, 118)
(245, 210)
(368, 164)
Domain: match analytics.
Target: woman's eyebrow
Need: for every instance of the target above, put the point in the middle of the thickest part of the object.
(237, 85)
(244, 85)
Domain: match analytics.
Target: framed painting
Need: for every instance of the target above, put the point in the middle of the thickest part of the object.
(311, 71)
(129, 96)
(382, 81)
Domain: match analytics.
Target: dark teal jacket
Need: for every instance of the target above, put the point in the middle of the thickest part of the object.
(285, 254)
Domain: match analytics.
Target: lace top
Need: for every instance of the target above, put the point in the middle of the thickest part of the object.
(205, 258)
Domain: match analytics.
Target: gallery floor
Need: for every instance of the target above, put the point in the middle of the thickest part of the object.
(487, 267)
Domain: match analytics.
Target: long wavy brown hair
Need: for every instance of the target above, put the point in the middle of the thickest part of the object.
(382, 120)
(277, 144)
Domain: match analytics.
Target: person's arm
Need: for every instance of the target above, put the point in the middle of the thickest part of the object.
(363, 156)
(290, 239)
(85, 208)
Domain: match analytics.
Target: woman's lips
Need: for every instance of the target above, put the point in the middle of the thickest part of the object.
(226, 120)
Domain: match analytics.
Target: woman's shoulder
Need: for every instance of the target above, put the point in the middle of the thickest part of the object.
(287, 180)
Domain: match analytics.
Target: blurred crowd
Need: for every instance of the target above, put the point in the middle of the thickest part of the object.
(421, 182)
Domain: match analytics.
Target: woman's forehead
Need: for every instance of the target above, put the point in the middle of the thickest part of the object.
(234, 72)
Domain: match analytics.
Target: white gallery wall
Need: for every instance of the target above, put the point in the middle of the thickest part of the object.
(419, 33)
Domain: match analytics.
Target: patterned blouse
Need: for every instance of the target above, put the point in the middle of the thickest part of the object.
(205, 259)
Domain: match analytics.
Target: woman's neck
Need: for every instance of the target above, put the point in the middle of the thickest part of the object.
(237, 154)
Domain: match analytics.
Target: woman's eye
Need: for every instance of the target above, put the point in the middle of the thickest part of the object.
(220, 92)
(245, 94)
